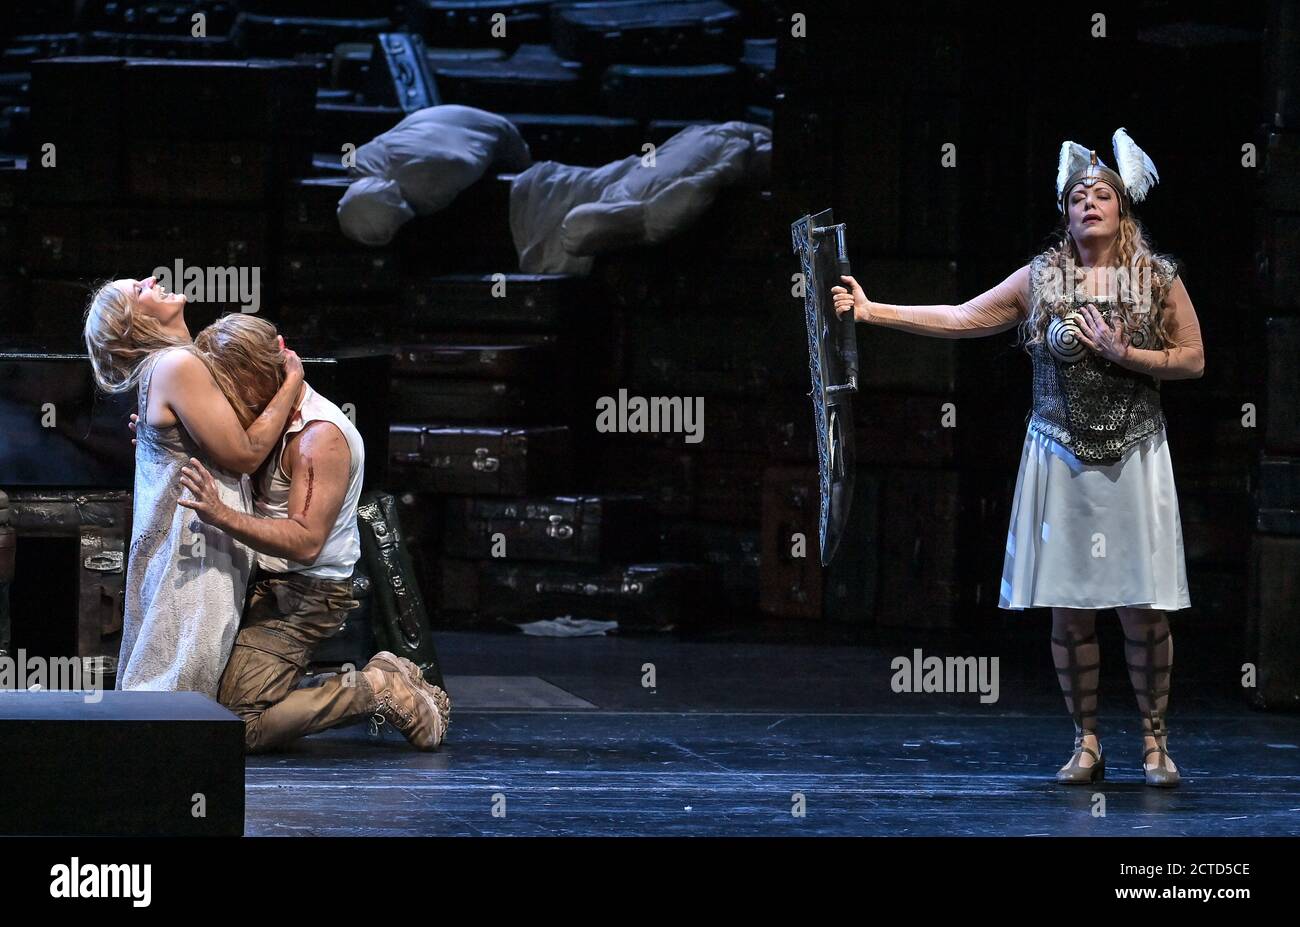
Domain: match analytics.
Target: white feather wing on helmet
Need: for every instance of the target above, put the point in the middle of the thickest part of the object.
(1073, 157)
(1132, 164)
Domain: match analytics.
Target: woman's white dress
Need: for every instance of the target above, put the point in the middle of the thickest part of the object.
(1094, 536)
(185, 581)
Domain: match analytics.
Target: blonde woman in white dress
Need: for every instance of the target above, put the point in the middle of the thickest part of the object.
(185, 581)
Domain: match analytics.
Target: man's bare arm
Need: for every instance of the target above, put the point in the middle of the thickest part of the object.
(317, 459)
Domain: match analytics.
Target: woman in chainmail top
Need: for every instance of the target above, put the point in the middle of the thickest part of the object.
(1094, 522)
(185, 581)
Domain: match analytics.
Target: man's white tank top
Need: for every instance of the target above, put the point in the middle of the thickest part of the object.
(271, 499)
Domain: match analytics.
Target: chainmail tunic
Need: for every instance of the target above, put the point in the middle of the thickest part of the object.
(1094, 407)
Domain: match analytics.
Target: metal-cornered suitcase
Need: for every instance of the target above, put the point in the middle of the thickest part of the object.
(221, 100)
(527, 358)
(152, 45)
(681, 91)
(533, 72)
(470, 23)
(370, 273)
(167, 20)
(26, 48)
(574, 529)
(648, 596)
(518, 302)
(469, 400)
(799, 587)
(647, 33)
(99, 525)
(286, 36)
(310, 217)
(339, 124)
(472, 461)
(790, 583)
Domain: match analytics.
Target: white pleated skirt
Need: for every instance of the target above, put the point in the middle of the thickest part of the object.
(1094, 536)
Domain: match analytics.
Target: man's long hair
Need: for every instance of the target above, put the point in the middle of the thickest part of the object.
(244, 356)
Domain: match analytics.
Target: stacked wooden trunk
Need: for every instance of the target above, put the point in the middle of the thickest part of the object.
(167, 145)
(140, 164)
(492, 399)
(521, 506)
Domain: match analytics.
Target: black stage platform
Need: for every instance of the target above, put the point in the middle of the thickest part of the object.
(734, 730)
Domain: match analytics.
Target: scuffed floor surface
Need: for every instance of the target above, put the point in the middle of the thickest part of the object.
(735, 738)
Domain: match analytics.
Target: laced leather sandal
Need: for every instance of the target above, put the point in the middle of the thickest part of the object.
(1076, 774)
(1151, 685)
(1162, 775)
(1085, 719)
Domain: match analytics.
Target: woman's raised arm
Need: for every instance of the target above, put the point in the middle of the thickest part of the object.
(993, 311)
(189, 390)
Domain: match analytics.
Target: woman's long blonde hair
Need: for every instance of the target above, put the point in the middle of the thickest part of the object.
(121, 341)
(243, 353)
(1061, 263)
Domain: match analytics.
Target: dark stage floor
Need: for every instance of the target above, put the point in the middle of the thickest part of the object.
(566, 732)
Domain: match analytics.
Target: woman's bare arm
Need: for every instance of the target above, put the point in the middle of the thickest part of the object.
(993, 311)
(1185, 358)
(187, 387)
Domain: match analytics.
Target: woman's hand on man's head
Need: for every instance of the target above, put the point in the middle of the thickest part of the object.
(293, 372)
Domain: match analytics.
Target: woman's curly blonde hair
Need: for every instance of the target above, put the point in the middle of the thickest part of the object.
(1141, 290)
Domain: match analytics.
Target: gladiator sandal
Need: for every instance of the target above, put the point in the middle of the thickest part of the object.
(1151, 685)
(1079, 679)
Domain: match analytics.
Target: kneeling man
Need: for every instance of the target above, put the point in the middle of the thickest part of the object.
(307, 542)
